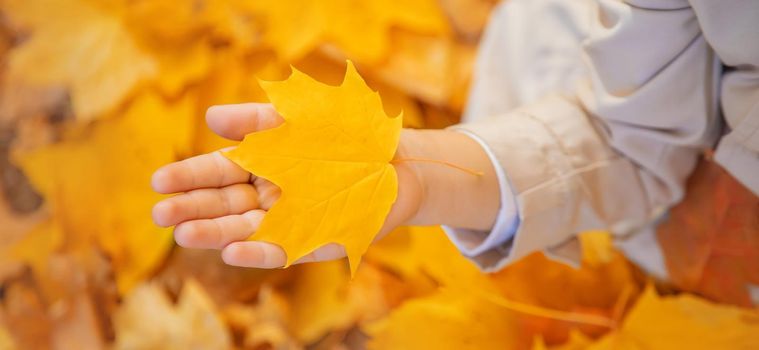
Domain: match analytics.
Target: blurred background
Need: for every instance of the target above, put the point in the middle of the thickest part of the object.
(97, 94)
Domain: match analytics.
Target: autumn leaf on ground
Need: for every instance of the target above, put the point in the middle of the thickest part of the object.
(445, 320)
(95, 182)
(683, 322)
(443, 79)
(359, 28)
(83, 47)
(331, 160)
(263, 325)
(324, 299)
(34, 250)
(149, 320)
(6, 342)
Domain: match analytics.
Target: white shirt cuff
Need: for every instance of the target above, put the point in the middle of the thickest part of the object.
(473, 242)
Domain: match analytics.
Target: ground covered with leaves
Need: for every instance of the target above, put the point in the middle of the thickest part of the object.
(97, 94)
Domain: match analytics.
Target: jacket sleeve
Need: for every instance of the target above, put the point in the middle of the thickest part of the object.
(615, 151)
(732, 29)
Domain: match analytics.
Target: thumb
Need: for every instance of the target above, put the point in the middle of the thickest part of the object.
(237, 120)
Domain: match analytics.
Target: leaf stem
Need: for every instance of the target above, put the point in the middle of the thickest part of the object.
(549, 313)
(620, 306)
(441, 162)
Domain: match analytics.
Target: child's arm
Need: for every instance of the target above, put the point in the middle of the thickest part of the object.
(220, 204)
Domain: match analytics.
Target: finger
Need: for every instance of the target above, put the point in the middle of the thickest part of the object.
(203, 171)
(256, 254)
(266, 255)
(205, 203)
(327, 252)
(268, 192)
(219, 232)
(236, 121)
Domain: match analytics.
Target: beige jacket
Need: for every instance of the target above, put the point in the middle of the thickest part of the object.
(597, 111)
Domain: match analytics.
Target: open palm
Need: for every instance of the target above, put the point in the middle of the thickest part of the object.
(219, 205)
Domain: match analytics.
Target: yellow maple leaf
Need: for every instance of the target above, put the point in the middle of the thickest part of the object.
(331, 160)
(331, 71)
(534, 290)
(360, 28)
(683, 322)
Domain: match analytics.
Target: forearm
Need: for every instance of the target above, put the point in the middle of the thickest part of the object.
(431, 193)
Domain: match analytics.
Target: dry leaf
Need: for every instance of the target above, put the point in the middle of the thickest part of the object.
(76, 325)
(331, 160)
(224, 284)
(149, 320)
(265, 324)
(24, 313)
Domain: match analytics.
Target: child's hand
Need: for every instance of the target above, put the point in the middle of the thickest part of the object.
(222, 204)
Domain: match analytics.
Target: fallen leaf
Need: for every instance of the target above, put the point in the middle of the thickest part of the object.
(683, 322)
(319, 300)
(324, 299)
(468, 17)
(84, 47)
(76, 325)
(106, 169)
(331, 160)
(149, 320)
(6, 341)
(445, 320)
(224, 284)
(710, 240)
(597, 248)
(443, 79)
(265, 324)
(360, 28)
(24, 313)
(577, 341)
(35, 250)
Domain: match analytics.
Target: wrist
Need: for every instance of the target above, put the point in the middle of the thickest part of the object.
(431, 193)
(410, 187)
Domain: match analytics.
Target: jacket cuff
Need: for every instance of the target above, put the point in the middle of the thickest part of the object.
(474, 242)
(551, 153)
